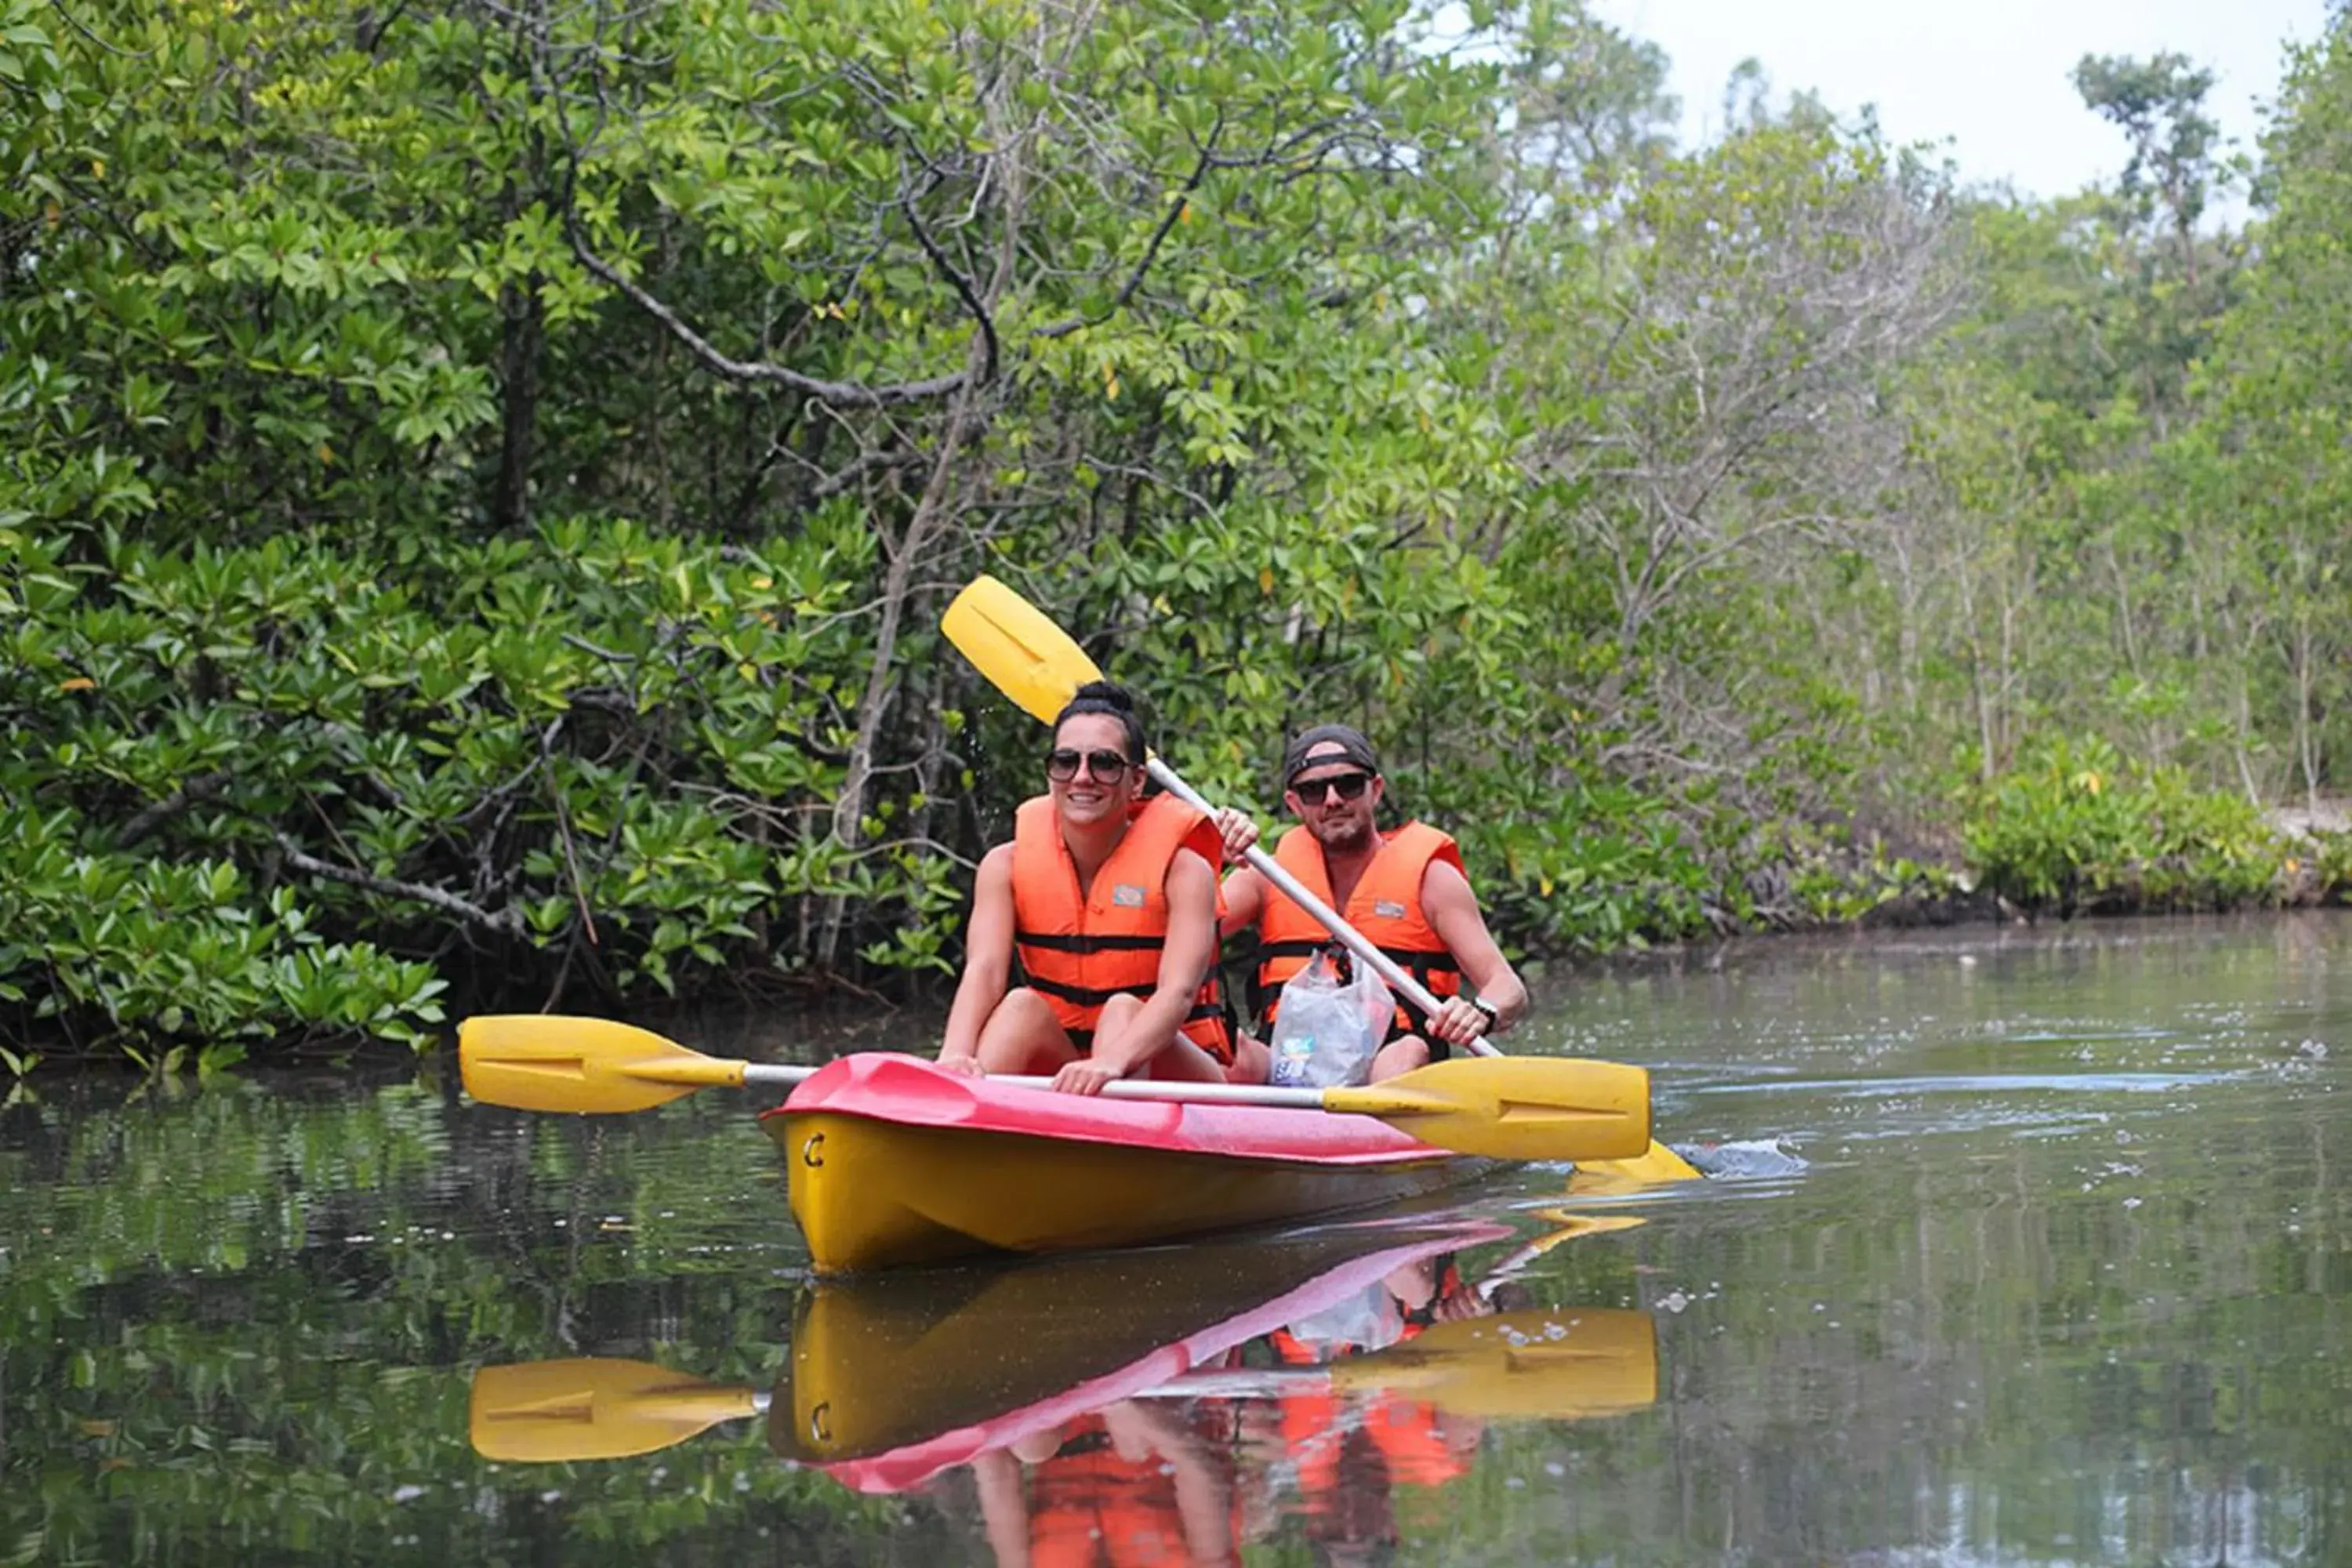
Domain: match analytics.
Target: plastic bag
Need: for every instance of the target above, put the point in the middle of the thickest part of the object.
(1329, 1024)
(1371, 1320)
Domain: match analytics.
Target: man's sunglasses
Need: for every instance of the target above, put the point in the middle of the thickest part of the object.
(1108, 767)
(1348, 786)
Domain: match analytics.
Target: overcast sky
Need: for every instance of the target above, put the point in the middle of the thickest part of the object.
(1991, 76)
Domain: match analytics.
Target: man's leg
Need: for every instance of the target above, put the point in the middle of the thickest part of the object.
(1252, 1063)
(1401, 1054)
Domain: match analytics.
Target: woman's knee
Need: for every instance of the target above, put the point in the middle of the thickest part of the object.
(1023, 1034)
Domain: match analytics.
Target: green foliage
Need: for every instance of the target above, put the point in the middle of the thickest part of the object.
(2074, 827)
(478, 496)
(618, 726)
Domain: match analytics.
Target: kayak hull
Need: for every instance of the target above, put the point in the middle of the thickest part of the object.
(893, 1163)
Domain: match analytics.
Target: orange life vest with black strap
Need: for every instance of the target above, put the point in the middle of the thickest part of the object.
(1385, 907)
(1090, 1507)
(1077, 953)
(1408, 1435)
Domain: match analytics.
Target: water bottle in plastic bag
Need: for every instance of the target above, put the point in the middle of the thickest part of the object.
(1330, 1025)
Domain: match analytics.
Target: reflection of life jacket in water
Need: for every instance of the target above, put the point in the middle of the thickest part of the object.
(1385, 905)
(1408, 1436)
(1088, 1508)
(1077, 953)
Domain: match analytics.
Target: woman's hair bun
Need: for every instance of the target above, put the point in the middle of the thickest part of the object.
(1105, 692)
(1100, 696)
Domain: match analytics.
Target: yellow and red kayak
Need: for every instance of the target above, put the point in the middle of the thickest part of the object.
(891, 1161)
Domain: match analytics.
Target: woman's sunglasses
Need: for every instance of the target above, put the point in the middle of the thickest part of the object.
(1108, 767)
(1347, 787)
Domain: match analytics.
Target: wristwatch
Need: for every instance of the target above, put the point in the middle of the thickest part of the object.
(1492, 1017)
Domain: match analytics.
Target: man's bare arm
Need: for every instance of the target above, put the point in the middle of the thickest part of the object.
(1454, 915)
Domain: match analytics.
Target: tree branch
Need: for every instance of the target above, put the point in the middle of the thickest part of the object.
(964, 291)
(1168, 219)
(506, 922)
(200, 788)
(841, 394)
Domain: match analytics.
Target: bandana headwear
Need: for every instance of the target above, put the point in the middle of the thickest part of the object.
(1353, 748)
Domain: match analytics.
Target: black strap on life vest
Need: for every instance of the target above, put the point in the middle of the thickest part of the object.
(1082, 943)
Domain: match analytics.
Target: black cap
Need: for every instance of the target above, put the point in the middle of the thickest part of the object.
(1353, 748)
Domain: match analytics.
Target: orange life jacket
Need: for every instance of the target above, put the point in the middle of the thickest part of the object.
(1079, 953)
(1408, 1435)
(1385, 906)
(1088, 1506)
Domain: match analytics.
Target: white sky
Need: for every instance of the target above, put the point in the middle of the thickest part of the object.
(1992, 75)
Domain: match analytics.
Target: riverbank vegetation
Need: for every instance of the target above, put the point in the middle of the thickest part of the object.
(481, 481)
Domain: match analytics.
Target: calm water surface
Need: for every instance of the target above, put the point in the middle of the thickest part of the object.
(2032, 1246)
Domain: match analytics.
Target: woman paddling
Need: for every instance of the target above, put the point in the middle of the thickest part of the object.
(1110, 900)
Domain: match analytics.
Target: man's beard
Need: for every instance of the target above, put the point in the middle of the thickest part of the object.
(1347, 835)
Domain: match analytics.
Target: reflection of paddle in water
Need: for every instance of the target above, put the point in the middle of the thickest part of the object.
(1535, 1364)
(594, 1407)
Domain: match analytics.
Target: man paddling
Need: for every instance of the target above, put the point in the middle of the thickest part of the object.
(1405, 890)
(1110, 900)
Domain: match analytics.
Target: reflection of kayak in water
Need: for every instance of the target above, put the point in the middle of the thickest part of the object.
(895, 1379)
(1093, 1434)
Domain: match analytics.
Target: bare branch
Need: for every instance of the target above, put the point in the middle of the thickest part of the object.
(964, 291)
(1168, 219)
(506, 922)
(843, 393)
(201, 788)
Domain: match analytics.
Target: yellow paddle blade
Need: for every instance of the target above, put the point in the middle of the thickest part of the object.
(1555, 1365)
(1514, 1108)
(1024, 655)
(1655, 1166)
(539, 1411)
(543, 1062)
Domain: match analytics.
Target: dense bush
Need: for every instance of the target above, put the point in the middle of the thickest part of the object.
(2075, 828)
(593, 748)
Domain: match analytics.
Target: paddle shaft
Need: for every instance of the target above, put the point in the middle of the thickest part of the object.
(1399, 980)
(1187, 1093)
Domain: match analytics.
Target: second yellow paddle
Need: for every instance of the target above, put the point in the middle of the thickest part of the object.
(1516, 1108)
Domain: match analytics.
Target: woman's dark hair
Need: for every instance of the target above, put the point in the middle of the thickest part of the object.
(1102, 697)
